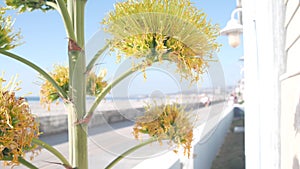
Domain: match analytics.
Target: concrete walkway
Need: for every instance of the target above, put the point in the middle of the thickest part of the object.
(106, 142)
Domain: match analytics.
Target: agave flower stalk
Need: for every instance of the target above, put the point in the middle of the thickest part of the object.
(77, 85)
(55, 152)
(73, 18)
(43, 73)
(129, 151)
(151, 30)
(22, 161)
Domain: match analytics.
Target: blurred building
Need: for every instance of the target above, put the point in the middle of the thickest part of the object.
(271, 39)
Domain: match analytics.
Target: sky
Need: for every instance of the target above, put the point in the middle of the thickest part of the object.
(45, 44)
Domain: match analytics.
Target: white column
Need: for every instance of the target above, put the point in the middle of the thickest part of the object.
(252, 120)
(262, 52)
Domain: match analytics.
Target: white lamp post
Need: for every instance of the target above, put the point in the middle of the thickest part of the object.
(233, 29)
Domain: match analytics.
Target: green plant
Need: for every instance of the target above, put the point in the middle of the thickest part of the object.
(154, 31)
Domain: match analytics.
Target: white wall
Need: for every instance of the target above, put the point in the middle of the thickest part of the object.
(290, 88)
(263, 52)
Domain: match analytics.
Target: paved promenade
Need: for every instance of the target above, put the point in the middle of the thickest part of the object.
(109, 140)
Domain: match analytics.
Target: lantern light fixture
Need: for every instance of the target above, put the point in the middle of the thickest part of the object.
(233, 29)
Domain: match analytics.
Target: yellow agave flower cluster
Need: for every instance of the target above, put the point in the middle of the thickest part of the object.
(8, 38)
(17, 125)
(158, 30)
(48, 93)
(166, 122)
(95, 84)
(60, 74)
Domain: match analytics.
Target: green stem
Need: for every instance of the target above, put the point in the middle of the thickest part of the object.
(76, 110)
(38, 69)
(70, 107)
(22, 161)
(26, 163)
(71, 118)
(79, 7)
(131, 150)
(66, 18)
(52, 150)
(70, 7)
(108, 88)
(79, 150)
(96, 57)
